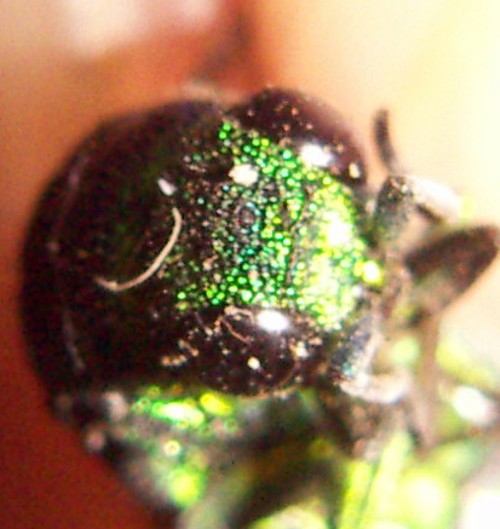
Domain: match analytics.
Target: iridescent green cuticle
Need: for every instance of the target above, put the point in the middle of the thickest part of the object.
(287, 236)
(189, 466)
(180, 466)
(206, 414)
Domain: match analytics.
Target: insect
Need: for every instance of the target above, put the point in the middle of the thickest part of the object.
(215, 296)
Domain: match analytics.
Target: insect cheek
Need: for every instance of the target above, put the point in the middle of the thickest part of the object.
(245, 351)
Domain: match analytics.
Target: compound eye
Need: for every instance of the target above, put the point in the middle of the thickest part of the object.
(247, 351)
(314, 130)
(91, 291)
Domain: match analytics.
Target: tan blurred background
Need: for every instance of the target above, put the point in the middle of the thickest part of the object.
(65, 64)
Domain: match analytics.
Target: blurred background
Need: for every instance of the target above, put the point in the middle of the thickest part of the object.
(67, 64)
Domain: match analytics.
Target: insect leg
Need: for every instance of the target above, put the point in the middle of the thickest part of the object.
(351, 362)
(404, 194)
(446, 267)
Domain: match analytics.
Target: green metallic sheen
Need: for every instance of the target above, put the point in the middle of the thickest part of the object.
(206, 458)
(213, 294)
(302, 246)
